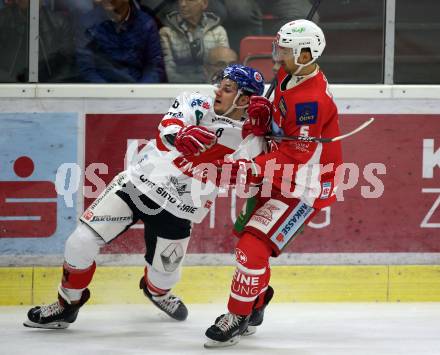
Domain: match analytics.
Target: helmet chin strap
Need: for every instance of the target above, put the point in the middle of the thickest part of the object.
(301, 66)
(298, 70)
(234, 104)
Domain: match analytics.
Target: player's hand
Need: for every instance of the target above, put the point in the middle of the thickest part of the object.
(259, 115)
(193, 140)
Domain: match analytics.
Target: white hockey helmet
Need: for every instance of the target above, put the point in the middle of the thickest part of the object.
(300, 34)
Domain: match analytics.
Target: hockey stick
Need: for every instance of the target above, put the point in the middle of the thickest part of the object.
(313, 9)
(274, 82)
(323, 140)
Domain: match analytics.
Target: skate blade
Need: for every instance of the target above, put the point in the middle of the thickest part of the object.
(211, 344)
(251, 329)
(53, 325)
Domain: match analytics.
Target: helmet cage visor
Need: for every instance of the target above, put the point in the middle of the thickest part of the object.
(281, 53)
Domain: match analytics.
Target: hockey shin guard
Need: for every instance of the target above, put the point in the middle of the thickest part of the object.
(251, 276)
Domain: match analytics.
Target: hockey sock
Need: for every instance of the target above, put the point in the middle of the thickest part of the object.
(74, 280)
(251, 276)
(155, 291)
(259, 302)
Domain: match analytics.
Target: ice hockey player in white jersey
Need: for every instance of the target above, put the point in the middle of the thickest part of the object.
(161, 191)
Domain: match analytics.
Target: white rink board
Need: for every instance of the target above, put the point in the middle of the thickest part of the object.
(155, 98)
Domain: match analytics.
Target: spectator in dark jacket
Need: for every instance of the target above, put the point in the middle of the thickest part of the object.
(119, 43)
(56, 47)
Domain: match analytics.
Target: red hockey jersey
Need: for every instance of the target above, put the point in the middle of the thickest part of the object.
(307, 170)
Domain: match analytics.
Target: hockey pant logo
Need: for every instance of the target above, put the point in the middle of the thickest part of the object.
(291, 225)
(268, 215)
(284, 223)
(109, 215)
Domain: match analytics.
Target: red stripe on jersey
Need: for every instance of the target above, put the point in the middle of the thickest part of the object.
(159, 143)
(188, 164)
(171, 121)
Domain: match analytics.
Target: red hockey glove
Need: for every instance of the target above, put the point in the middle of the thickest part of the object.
(238, 172)
(260, 113)
(193, 140)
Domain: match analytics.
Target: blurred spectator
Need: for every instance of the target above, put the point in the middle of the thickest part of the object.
(118, 43)
(158, 8)
(218, 59)
(186, 39)
(240, 18)
(75, 9)
(56, 48)
(4, 3)
(284, 11)
(75, 6)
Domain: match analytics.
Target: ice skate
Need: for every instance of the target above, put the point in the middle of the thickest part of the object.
(58, 315)
(226, 331)
(170, 304)
(257, 315)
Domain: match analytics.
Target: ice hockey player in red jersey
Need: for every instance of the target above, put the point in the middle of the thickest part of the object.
(160, 190)
(296, 178)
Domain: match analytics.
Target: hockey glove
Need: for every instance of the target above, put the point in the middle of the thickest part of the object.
(238, 172)
(260, 113)
(193, 140)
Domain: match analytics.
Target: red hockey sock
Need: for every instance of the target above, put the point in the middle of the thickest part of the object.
(77, 278)
(155, 291)
(252, 274)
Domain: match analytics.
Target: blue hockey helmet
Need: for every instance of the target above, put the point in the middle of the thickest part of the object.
(249, 80)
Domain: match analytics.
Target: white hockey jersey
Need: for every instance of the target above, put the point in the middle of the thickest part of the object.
(166, 176)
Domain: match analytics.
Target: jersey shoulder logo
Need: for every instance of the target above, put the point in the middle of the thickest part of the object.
(306, 113)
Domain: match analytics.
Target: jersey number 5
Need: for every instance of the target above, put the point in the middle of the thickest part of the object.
(304, 131)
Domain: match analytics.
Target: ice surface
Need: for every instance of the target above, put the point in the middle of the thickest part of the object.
(295, 329)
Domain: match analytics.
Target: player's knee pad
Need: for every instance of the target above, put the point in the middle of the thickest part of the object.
(82, 247)
(165, 270)
(252, 274)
